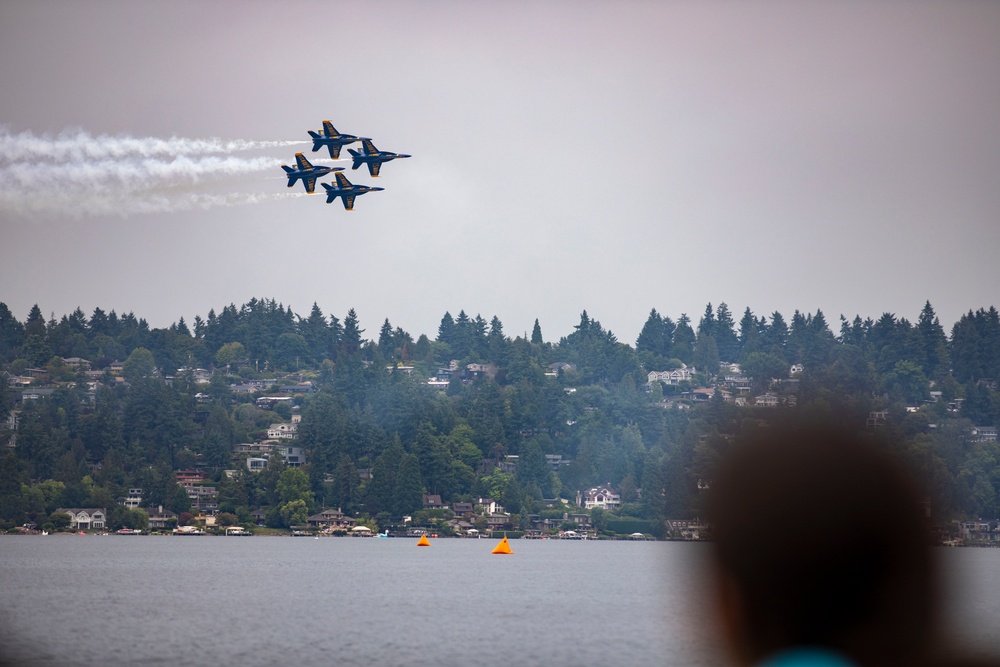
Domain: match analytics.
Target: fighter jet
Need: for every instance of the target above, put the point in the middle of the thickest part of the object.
(306, 172)
(371, 156)
(346, 190)
(331, 139)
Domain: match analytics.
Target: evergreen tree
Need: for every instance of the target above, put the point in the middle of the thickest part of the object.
(933, 342)
(750, 336)
(408, 491)
(684, 340)
(385, 340)
(446, 330)
(351, 338)
(536, 334)
(651, 339)
(707, 323)
(725, 335)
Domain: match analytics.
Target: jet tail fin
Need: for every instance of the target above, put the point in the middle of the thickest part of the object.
(287, 168)
(357, 158)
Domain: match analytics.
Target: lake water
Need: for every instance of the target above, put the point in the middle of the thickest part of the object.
(69, 600)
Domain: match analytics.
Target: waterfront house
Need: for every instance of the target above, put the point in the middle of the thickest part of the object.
(85, 518)
(158, 517)
(330, 518)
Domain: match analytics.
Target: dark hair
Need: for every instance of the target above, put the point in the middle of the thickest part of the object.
(824, 536)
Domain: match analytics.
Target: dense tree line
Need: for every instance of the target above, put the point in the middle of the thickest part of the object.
(583, 398)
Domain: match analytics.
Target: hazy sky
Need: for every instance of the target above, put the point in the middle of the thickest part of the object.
(607, 156)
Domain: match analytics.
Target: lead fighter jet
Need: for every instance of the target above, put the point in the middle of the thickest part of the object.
(331, 139)
(346, 190)
(307, 172)
(371, 156)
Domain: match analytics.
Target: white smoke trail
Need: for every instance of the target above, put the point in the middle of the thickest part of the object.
(139, 203)
(79, 174)
(78, 145)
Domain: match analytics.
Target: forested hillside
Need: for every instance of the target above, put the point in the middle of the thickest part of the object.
(377, 435)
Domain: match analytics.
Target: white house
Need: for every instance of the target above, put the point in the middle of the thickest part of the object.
(984, 433)
(256, 464)
(282, 431)
(672, 377)
(133, 499)
(603, 497)
(767, 400)
(83, 518)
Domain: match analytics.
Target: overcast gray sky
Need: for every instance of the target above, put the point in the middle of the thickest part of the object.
(607, 156)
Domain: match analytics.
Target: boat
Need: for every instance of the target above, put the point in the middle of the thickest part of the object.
(503, 547)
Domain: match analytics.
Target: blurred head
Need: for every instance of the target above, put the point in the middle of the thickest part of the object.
(820, 540)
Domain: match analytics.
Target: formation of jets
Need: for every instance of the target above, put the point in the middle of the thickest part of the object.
(334, 141)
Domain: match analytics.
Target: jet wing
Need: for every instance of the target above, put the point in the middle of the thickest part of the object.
(302, 162)
(369, 146)
(373, 168)
(342, 181)
(348, 202)
(310, 183)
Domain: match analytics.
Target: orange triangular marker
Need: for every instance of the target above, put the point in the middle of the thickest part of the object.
(423, 541)
(503, 547)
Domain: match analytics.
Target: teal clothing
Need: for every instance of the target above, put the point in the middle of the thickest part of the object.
(807, 657)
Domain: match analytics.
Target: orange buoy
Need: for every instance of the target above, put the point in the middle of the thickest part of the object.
(423, 541)
(503, 547)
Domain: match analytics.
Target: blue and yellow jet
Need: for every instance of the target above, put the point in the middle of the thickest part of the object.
(331, 139)
(307, 172)
(346, 190)
(371, 156)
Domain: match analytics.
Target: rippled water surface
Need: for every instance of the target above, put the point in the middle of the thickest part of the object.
(69, 600)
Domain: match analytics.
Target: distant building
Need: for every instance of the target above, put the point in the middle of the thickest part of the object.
(282, 431)
(294, 456)
(984, 433)
(133, 499)
(256, 464)
(432, 502)
(672, 377)
(85, 518)
(602, 497)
